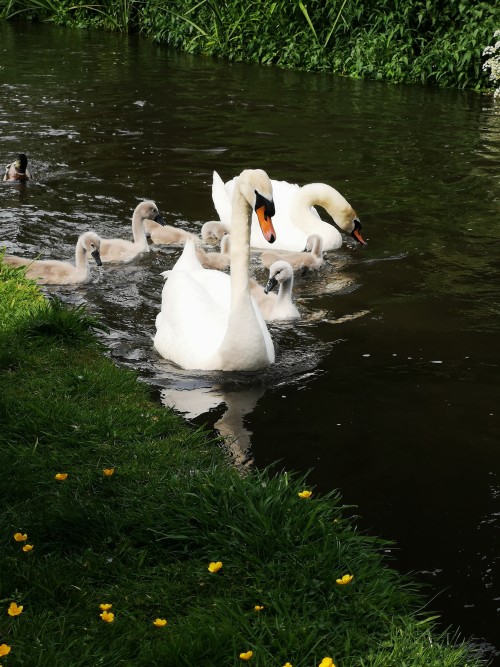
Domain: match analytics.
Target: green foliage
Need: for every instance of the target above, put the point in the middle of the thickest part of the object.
(399, 41)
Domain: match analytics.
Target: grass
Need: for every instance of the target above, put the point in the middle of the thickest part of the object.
(142, 538)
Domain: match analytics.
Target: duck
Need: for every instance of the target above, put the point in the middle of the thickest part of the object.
(276, 307)
(213, 230)
(166, 234)
(216, 260)
(57, 272)
(208, 319)
(309, 260)
(18, 170)
(296, 218)
(121, 250)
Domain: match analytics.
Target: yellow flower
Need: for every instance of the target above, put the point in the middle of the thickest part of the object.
(305, 494)
(346, 579)
(287, 664)
(14, 609)
(326, 662)
(4, 649)
(246, 656)
(107, 616)
(20, 537)
(105, 607)
(61, 476)
(107, 472)
(214, 567)
(27, 547)
(258, 607)
(160, 622)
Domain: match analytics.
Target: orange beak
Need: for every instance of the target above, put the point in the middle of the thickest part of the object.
(266, 224)
(357, 235)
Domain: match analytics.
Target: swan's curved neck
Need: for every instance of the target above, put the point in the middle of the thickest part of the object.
(318, 194)
(138, 231)
(81, 259)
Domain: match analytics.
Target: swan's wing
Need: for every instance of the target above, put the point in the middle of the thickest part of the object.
(222, 200)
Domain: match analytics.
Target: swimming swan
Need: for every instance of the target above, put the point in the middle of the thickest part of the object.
(296, 218)
(300, 261)
(216, 260)
(55, 272)
(166, 234)
(279, 306)
(120, 250)
(18, 170)
(208, 320)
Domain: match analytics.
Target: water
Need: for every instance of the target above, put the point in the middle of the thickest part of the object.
(388, 386)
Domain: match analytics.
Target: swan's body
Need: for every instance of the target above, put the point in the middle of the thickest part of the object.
(310, 260)
(213, 230)
(208, 320)
(55, 272)
(216, 260)
(296, 218)
(166, 234)
(18, 170)
(120, 250)
(277, 307)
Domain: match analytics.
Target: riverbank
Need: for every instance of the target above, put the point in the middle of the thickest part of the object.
(400, 42)
(111, 500)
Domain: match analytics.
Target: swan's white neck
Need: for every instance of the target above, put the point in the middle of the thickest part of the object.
(319, 194)
(81, 258)
(242, 315)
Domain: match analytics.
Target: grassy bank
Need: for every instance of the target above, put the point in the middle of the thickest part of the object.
(440, 43)
(108, 498)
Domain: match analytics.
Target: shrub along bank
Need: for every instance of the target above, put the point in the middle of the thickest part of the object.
(113, 510)
(438, 42)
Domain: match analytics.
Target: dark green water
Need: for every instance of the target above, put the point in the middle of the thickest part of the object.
(388, 387)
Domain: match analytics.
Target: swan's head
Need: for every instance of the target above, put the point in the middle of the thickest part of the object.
(279, 272)
(356, 232)
(255, 185)
(21, 163)
(147, 210)
(92, 243)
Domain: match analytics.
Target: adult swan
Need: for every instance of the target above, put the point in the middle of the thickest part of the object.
(296, 218)
(208, 320)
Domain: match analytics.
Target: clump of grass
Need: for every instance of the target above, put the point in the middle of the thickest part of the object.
(142, 538)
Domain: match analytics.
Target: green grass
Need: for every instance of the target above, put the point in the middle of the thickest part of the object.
(142, 539)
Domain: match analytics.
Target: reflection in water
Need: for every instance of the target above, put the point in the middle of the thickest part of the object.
(195, 401)
(354, 396)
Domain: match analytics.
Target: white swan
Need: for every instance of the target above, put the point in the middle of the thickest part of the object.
(296, 217)
(279, 306)
(56, 272)
(166, 234)
(208, 320)
(120, 250)
(213, 229)
(300, 261)
(216, 260)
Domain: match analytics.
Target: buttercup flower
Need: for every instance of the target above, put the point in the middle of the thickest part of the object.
(20, 537)
(27, 547)
(305, 494)
(326, 662)
(246, 656)
(214, 567)
(105, 607)
(107, 472)
(287, 664)
(160, 622)
(61, 476)
(14, 609)
(346, 579)
(4, 649)
(107, 616)
(258, 607)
